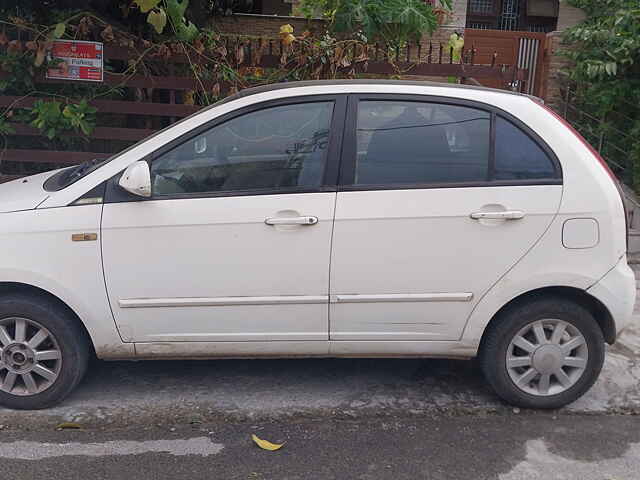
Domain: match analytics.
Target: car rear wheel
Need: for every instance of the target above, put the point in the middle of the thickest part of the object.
(545, 353)
(43, 352)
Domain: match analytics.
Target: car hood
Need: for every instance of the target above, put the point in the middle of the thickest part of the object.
(24, 193)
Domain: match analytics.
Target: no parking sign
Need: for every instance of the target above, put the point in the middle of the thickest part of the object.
(79, 60)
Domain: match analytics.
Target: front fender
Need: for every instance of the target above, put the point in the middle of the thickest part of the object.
(94, 314)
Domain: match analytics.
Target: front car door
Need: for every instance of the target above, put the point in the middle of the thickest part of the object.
(438, 199)
(234, 244)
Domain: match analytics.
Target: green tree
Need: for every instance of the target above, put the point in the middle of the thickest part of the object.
(605, 49)
(390, 21)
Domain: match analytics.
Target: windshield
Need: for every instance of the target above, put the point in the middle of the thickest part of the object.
(66, 177)
(70, 175)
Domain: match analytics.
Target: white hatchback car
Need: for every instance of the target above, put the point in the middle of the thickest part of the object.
(328, 219)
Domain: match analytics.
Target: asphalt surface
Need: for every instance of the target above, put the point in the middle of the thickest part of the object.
(340, 419)
(496, 446)
(120, 393)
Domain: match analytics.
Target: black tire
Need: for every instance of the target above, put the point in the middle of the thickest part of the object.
(495, 344)
(70, 338)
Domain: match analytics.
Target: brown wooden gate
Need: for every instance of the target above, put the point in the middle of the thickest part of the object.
(524, 49)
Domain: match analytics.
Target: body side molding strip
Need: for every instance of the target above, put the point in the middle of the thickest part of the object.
(219, 301)
(292, 300)
(398, 297)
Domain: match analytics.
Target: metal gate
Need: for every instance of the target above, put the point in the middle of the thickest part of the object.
(524, 49)
(528, 53)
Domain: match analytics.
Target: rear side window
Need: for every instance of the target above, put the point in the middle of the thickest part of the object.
(518, 156)
(417, 142)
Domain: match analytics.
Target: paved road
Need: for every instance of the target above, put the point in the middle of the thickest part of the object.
(119, 393)
(124, 392)
(341, 418)
(475, 447)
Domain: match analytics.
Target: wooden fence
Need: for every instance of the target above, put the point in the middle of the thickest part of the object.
(153, 101)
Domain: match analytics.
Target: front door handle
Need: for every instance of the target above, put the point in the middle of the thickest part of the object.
(306, 220)
(504, 215)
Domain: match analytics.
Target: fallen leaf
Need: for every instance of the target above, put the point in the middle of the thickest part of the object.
(266, 445)
(69, 426)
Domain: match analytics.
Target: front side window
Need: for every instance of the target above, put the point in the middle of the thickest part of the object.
(404, 142)
(277, 148)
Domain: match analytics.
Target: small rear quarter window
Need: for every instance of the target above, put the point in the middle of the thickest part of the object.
(518, 156)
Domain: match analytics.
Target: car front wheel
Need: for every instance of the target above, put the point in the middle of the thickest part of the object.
(545, 353)
(43, 352)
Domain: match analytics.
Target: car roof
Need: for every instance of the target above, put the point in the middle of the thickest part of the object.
(355, 82)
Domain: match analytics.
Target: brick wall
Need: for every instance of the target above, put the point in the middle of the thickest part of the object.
(263, 25)
(568, 16)
(458, 18)
(269, 26)
(556, 64)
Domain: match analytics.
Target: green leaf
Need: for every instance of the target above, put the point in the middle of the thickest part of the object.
(85, 127)
(157, 18)
(185, 31)
(176, 8)
(146, 5)
(59, 30)
(5, 128)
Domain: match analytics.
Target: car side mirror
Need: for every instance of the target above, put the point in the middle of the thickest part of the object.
(136, 179)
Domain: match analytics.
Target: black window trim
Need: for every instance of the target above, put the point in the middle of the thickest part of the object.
(329, 183)
(349, 146)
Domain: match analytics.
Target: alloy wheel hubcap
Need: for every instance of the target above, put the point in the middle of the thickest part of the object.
(30, 358)
(18, 358)
(547, 357)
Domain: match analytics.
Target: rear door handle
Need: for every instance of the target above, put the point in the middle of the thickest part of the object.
(306, 220)
(504, 215)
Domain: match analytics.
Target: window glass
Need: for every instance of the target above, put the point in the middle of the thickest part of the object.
(481, 7)
(417, 142)
(518, 156)
(274, 148)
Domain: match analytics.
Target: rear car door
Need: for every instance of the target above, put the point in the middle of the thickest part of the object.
(438, 199)
(234, 243)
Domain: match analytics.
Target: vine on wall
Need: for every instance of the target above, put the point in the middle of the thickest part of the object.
(218, 66)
